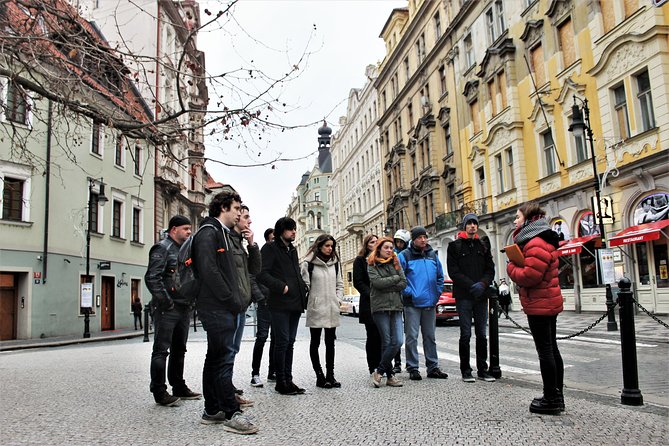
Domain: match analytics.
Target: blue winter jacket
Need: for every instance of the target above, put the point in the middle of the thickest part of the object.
(425, 277)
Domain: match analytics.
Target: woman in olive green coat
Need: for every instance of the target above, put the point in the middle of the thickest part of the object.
(387, 280)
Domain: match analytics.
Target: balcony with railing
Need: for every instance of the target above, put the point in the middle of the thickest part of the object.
(355, 223)
(451, 220)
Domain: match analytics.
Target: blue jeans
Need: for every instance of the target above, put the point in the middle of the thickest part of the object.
(219, 393)
(389, 324)
(263, 321)
(543, 330)
(478, 309)
(284, 329)
(424, 318)
(171, 334)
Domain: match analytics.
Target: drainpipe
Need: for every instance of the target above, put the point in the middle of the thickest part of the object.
(47, 191)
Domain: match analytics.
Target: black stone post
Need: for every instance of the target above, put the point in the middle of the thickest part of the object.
(631, 395)
(87, 323)
(147, 310)
(493, 336)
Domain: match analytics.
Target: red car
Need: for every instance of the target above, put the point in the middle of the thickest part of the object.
(446, 306)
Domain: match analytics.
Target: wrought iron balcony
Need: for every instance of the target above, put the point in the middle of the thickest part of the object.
(451, 220)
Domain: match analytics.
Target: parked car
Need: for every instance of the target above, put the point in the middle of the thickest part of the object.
(446, 306)
(350, 305)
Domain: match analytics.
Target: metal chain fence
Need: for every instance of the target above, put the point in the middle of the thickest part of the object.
(652, 316)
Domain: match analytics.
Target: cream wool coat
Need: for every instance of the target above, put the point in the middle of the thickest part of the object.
(326, 289)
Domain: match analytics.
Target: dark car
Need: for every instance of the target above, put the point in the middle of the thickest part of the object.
(446, 306)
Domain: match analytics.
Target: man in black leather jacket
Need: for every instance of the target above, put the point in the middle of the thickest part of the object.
(171, 316)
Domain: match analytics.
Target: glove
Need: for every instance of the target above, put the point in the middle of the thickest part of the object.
(477, 289)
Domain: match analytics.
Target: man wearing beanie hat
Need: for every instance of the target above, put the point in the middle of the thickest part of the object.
(425, 281)
(471, 268)
(171, 316)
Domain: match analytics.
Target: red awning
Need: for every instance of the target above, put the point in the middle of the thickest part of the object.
(639, 233)
(575, 245)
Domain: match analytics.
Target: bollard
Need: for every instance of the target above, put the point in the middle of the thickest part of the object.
(147, 310)
(611, 324)
(493, 336)
(631, 395)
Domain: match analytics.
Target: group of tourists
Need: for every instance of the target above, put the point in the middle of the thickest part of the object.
(399, 279)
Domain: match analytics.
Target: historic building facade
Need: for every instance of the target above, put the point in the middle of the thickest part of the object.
(355, 194)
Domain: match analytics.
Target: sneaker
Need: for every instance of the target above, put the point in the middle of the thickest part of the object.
(256, 381)
(271, 376)
(393, 382)
(397, 369)
(485, 376)
(376, 379)
(437, 373)
(240, 424)
(212, 419)
(186, 394)
(243, 403)
(468, 378)
(165, 399)
(414, 375)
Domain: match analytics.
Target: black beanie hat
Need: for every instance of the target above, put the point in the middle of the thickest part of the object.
(178, 220)
(417, 231)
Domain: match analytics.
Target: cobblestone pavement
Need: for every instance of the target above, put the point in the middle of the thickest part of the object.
(97, 394)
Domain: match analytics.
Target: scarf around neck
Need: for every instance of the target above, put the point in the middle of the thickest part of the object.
(530, 230)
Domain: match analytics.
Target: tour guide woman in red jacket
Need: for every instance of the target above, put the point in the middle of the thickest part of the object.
(541, 298)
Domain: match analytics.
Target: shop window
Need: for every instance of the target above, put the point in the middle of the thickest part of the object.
(566, 273)
(661, 259)
(642, 263)
(588, 268)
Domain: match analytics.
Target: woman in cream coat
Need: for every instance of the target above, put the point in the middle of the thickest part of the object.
(321, 273)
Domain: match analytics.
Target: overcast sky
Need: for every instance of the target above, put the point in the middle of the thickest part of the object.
(342, 37)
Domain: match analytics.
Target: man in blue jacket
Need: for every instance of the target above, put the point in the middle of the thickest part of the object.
(425, 278)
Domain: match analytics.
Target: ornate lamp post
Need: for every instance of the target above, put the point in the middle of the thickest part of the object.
(102, 199)
(579, 127)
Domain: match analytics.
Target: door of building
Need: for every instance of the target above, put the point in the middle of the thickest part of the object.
(8, 306)
(107, 304)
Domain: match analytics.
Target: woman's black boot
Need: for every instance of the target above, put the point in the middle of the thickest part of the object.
(321, 381)
(330, 379)
(546, 406)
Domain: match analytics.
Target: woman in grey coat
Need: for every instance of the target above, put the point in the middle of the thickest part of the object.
(387, 281)
(320, 271)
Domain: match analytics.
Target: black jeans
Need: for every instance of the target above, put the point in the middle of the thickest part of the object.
(372, 346)
(217, 387)
(330, 336)
(171, 333)
(478, 309)
(263, 321)
(284, 329)
(543, 330)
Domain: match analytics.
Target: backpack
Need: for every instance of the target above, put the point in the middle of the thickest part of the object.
(185, 279)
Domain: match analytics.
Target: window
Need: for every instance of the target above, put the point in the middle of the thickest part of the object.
(414, 166)
(499, 164)
(12, 199)
(420, 49)
(95, 213)
(317, 196)
(119, 152)
(492, 96)
(97, 138)
(474, 110)
(537, 65)
(469, 51)
(480, 179)
(437, 26)
(501, 87)
(566, 42)
(509, 168)
(549, 152)
(621, 116)
(449, 141)
(17, 105)
(452, 203)
(138, 161)
(581, 151)
(442, 80)
(407, 72)
(645, 101)
(117, 218)
(495, 21)
(410, 113)
(425, 153)
(136, 225)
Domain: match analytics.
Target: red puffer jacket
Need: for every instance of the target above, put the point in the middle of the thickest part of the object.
(540, 292)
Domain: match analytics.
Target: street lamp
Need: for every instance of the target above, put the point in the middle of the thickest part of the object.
(579, 127)
(102, 199)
